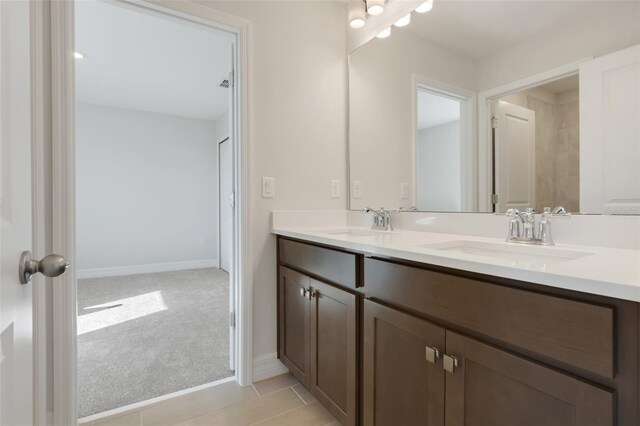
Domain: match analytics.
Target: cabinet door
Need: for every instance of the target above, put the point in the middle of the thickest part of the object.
(294, 323)
(493, 387)
(333, 350)
(401, 386)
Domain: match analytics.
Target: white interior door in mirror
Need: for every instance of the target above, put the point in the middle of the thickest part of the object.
(514, 157)
(610, 133)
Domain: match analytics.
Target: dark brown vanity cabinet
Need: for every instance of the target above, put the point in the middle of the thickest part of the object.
(489, 386)
(318, 343)
(388, 342)
(411, 367)
(294, 329)
(403, 379)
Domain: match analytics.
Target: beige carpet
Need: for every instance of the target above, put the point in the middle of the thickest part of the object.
(143, 336)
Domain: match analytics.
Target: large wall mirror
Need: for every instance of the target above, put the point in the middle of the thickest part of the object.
(483, 106)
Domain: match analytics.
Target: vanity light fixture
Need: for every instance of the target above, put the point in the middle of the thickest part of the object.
(357, 13)
(375, 7)
(78, 55)
(404, 21)
(384, 33)
(425, 7)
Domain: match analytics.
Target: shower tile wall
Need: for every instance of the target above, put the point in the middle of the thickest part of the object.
(557, 154)
(568, 156)
(546, 152)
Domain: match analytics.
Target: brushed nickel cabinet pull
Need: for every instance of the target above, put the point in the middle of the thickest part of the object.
(449, 363)
(432, 354)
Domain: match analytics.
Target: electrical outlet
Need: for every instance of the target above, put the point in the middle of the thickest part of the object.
(404, 190)
(202, 241)
(357, 189)
(334, 190)
(268, 187)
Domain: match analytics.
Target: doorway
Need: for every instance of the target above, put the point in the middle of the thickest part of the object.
(152, 99)
(443, 146)
(536, 147)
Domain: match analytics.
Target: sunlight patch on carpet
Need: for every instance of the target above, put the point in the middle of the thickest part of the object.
(119, 311)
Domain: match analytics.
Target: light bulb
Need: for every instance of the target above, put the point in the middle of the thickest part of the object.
(357, 13)
(425, 7)
(384, 33)
(404, 21)
(357, 23)
(78, 55)
(375, 7)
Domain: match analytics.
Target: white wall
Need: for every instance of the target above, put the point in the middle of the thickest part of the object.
(382, 132)
(146, 189)
(438, 168)
(221, 126)
(614, 27)
(298, 115)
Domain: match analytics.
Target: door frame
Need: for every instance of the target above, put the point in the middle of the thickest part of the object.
(232, 293)
(63, 189)
(467, 99)
(485, 162)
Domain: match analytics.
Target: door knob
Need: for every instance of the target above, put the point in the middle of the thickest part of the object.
(51, 266)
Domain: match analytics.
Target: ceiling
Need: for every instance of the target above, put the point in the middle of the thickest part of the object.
(563, 85)
(478, 28)
(434, 110)
(146, 61)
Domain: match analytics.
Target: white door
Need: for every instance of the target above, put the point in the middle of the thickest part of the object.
(16, 334)
(610, 133)
(225, 202)
(515, 170)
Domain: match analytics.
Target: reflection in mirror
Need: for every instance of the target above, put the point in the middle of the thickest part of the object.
(438, 153)
(538, 130)
(482, 106)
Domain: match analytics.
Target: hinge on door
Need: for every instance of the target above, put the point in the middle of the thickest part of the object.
(232, 319)
(232, 200)
(494, 122)
(494, 198)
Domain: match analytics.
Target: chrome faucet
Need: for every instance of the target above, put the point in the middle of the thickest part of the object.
(522, 224)
(381, 219)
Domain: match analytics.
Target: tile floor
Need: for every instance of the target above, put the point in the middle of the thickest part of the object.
(278, 401)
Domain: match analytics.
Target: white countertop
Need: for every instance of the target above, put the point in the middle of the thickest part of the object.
(611, 272)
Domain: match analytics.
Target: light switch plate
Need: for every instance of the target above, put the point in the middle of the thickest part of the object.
(268, 187)
(357, 189)
(404, 190)
(334, 189)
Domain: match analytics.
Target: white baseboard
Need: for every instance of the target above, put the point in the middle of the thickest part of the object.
(118, 271)
(266, 366)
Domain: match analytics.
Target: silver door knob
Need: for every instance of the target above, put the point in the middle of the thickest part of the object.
(51, 266)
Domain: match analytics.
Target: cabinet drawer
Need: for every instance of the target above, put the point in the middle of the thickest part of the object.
(335, 266)
(575, 333)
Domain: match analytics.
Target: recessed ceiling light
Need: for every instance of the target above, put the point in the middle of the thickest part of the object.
(425, 7)
(384, 33)
(78, 55)
(404, 21)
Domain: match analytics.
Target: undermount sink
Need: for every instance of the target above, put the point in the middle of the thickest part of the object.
(354, 233)
(512, 252)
